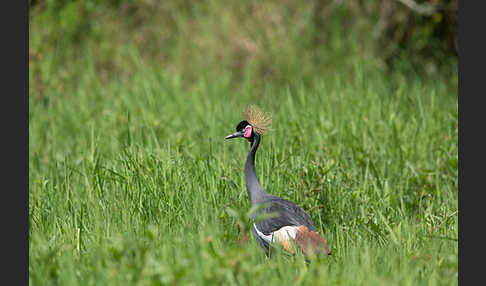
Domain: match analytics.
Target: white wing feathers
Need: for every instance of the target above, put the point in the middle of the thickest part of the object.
(281, 236)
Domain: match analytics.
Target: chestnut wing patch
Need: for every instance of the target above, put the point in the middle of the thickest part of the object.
(308, 240)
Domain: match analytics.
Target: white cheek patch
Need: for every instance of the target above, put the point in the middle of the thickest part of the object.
(281, 236)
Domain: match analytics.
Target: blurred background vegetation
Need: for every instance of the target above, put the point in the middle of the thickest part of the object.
(245, 43)
(113, 164)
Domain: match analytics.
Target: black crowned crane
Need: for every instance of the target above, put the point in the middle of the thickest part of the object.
(290, 225)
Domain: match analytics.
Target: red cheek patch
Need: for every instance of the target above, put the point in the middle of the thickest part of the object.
(247, 133)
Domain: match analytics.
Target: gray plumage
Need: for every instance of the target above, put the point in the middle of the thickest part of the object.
(287, 213)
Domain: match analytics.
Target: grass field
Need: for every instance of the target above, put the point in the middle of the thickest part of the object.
(130, 180)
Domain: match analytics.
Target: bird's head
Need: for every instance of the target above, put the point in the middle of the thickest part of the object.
(256, 122)
(243, 129)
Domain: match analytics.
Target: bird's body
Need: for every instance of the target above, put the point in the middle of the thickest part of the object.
(287, 224)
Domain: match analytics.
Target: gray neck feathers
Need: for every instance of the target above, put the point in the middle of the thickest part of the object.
(255, 191)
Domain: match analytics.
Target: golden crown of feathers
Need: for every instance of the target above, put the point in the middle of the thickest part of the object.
(259, 119)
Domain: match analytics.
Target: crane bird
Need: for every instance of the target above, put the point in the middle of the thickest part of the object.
(290, 225)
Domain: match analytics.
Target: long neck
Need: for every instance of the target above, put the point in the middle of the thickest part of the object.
(255, 191)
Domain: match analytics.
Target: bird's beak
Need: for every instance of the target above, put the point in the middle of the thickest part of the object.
(234, 135)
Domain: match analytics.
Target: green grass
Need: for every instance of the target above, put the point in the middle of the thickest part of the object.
(130, 179)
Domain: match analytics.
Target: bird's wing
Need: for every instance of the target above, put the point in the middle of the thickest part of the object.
(290, 223)
(286, 213)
